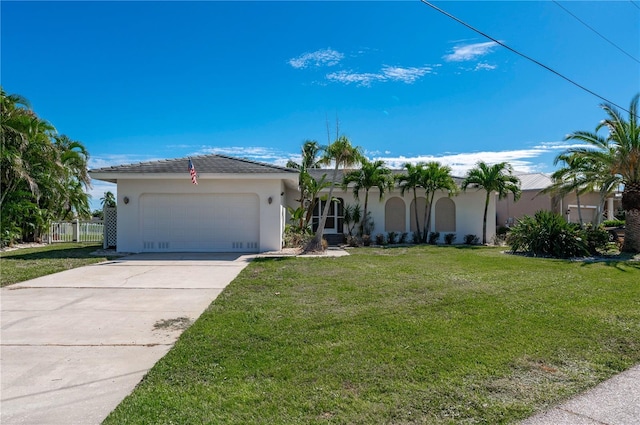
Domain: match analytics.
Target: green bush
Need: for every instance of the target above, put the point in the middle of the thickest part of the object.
(391, 237)
(449, 238)
(597, 238)
(547, 234)
(613, 223)
(471, 239)
(433, 237)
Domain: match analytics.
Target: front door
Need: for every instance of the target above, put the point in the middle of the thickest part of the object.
(334, 221)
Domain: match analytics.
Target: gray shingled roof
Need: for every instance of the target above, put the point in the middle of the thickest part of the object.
(203, 164)
(317, 173)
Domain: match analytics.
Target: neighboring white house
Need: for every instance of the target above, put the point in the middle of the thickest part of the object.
(533, 199)
(240, 206)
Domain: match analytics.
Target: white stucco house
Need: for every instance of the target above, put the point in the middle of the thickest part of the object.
(241, 206)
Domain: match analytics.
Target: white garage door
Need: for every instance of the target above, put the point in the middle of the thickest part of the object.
(199, 223)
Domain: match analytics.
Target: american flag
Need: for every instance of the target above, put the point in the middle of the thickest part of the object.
(192, 171)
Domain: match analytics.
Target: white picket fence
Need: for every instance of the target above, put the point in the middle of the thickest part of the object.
(76, 231)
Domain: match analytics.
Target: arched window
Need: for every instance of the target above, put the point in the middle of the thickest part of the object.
(395, 217)
(445, 215)
(422, 202)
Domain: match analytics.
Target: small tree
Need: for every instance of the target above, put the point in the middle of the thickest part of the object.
(492, 178)
(108, 200)
(342, 154)
(370, 174)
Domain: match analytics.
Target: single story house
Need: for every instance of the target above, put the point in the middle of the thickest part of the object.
(240, 205)
(533, 199)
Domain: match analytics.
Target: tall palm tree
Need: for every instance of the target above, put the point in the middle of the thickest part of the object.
(310, 159)
(492, 178)
(619, 154)
(412, 180)
(435, 177)
(580, 175)
(342, 154)
(371, 174)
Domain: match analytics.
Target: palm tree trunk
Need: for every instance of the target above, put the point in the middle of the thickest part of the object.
(315, 244)
(363, 222)
(484, 219)
(579, 209)
(631, 206)
(415, 207)
(430, 205)
(425, 231)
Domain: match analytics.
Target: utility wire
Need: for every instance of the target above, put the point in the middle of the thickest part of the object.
(522, 55)
(634, 3)
(592, 29)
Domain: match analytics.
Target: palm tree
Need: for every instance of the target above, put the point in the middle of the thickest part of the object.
(412, 180)
(108, 200)
(580, 175)
(370, 174)
(306, 183)
(492, 178)
(435, 177)
(619, 155)
(344, 155)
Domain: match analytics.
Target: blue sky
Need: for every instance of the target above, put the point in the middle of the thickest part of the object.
(137, 81)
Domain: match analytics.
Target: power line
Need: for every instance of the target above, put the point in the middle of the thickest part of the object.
(634, 3)
(592, 29)
(523, 55)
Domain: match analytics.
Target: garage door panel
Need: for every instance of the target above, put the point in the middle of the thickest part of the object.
(209, 223)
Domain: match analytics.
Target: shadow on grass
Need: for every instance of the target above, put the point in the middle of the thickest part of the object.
(51, 252)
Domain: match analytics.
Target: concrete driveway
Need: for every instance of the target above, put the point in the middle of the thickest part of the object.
(75, 343)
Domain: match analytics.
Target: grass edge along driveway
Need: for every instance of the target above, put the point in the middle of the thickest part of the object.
(405, 335)
(28, 263)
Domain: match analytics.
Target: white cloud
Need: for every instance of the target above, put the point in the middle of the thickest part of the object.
(387, 73)
(406, 75)
(469, 51)
(349, 77)
(253, 153)
(111, 160)
(485, 67)
(322, 57)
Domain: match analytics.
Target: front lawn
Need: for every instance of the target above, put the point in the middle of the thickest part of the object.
(418, 335)
(29, 263)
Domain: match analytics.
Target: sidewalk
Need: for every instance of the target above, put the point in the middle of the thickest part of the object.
(613, 402)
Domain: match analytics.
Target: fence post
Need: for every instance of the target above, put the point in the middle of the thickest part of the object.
(76, 230)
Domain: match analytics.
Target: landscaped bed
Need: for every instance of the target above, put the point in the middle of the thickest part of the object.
(402, 335)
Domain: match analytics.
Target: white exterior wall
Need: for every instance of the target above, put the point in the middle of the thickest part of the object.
(469, 211)
(129, 233)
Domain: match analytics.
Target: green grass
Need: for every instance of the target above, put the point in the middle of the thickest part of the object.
(419, 335)
(29, 263)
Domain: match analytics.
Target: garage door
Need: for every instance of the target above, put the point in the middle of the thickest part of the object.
(199, 223)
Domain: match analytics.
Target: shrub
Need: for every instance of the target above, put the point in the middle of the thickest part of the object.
(391, 237)
(597, 238)
(547, 234)
(449, 238)
(433, 237)
(366, 240)
(416, 238)
(380, 239)
(295, 238)
(471, 239)
(613, 223)
(404, 238)
(353, 241)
